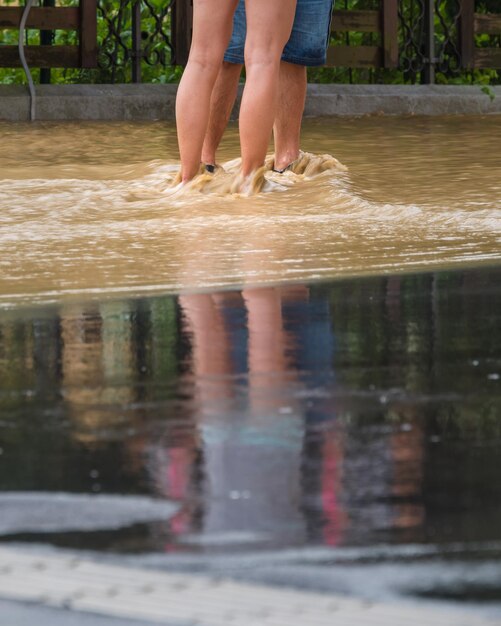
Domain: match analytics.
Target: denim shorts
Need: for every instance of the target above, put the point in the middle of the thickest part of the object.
(309, 39)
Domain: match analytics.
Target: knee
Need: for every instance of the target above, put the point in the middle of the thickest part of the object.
(262, 51)
(261, 57)
(206, 58)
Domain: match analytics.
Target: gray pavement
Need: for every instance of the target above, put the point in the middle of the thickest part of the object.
(154, 102)
(68, 588)
(28, 614)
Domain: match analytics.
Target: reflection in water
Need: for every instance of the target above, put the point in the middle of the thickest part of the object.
(84, 209)
(341, 414)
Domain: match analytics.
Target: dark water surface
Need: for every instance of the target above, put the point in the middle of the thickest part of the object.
(354, 422)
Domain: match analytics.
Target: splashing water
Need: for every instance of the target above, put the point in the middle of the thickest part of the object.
(80, 214)
(227, 180)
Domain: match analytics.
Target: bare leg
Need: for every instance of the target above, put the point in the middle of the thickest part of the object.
(210, 345)
(287, 127)
(291, 100)
(269, 25)
(268, 361)
(212, 25)
(221, 104)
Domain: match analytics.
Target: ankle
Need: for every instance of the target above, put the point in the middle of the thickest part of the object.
(209, 157)
(250, 167)
(188, 174)
(283, 159)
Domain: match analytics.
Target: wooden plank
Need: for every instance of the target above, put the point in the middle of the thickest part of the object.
(182, 18)
(466, 33)
(48, 18)
(354, 56)
(356, 21)
(47, 38)
(390, 33)
(88, 33)
(41, 56)
(487, 23)
(487, 58)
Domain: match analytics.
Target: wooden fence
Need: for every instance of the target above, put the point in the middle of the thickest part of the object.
(82, 18)
(418, 44)
(471, 26)
(383, 24)
(388, 26)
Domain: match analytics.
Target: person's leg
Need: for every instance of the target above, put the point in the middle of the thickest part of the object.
(225, 89)
(287, 126)
(269, 25)
(307, 46)
(212, 25)
(221, 104)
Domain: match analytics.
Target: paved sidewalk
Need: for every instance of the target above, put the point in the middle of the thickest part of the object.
(31, 614)
(153, 597)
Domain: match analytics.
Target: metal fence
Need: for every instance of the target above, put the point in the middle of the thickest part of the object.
(372, 41)
(417, 40)
(447, 37)
(429, 39)
(420, 40)
(138, 36)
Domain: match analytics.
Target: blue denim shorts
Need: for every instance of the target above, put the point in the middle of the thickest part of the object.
(309, 39)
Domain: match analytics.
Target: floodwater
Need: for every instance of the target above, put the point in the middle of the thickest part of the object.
(85, 208)
(179, 387)
(344, 436)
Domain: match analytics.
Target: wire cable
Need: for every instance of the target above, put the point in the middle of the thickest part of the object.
(22, 30)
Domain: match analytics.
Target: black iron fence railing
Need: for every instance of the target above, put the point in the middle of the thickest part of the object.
(139, 36)
(417, 40)
(372, 41)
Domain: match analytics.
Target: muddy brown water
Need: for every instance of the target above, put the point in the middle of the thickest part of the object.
(341, 434)
(84, 209)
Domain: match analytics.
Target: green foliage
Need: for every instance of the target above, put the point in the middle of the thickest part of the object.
(115, 63)
(446, 35)
(488, 92)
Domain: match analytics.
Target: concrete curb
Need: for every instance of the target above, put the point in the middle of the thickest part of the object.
(156, 102)
(402, 100)
(151, 596)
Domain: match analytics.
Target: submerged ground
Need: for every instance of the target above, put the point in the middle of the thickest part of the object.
(338, 435)
(84, 209)
(342, 436)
